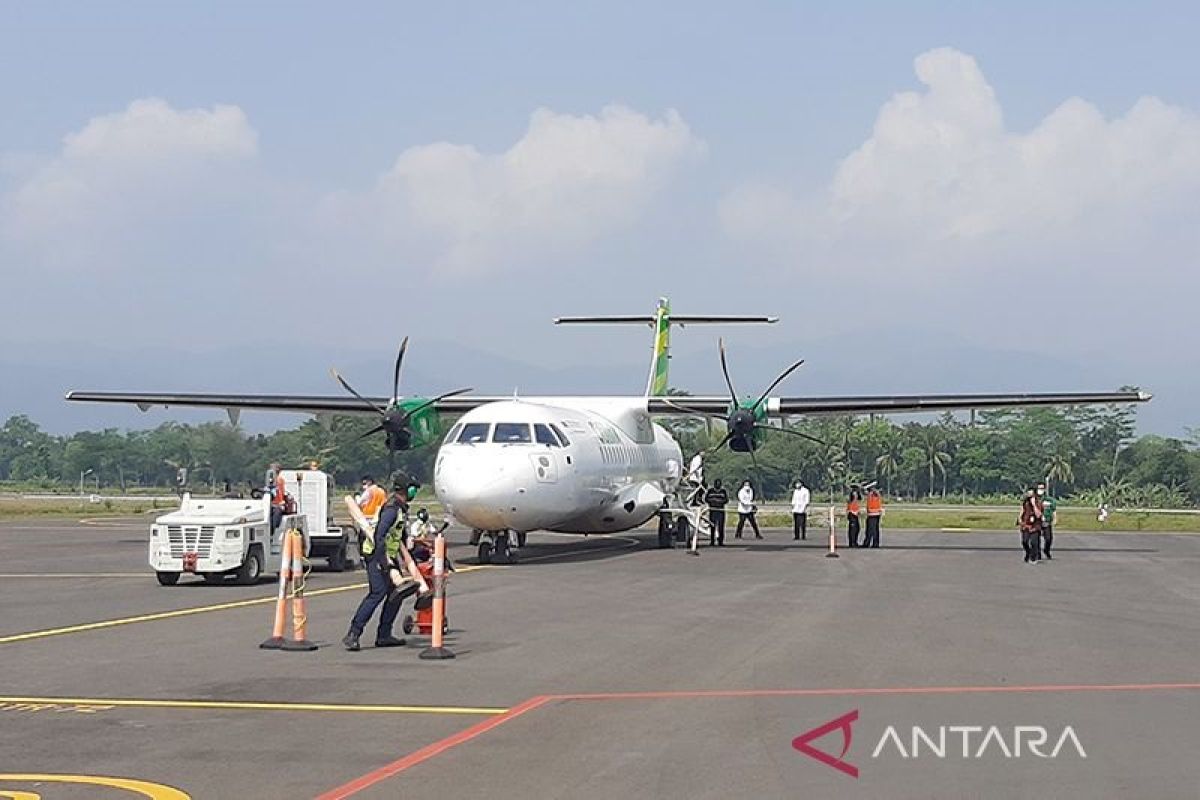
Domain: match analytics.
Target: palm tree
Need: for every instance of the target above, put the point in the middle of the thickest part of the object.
(935, 457)
(887, 465)
(1058, 468)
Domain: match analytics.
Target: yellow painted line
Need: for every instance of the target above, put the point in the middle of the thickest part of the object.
(238, 705)
(155, 791)
(183, 612)
(956, 530)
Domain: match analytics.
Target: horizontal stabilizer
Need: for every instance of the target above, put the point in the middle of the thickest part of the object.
(676, 319)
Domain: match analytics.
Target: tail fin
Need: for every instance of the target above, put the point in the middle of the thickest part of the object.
(661, 321)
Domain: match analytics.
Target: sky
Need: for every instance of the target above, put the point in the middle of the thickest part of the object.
(252, 179)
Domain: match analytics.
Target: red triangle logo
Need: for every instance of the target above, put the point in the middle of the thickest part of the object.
(803, 743)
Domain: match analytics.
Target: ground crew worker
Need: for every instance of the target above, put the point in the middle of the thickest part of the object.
(1049, 506)
(1031, 528)
(716, 498)
(747, 511)
(874, 517)
(800, 500)
(278, 494)
(853, 505)
(379, 583)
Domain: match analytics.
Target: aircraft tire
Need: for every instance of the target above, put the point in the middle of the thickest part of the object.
(485, 552)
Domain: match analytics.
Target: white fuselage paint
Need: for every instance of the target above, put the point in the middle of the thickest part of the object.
(611, 475)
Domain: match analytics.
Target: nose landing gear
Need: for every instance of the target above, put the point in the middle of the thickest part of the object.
(495, 547)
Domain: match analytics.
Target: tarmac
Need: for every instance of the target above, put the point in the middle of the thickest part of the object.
(602, 668)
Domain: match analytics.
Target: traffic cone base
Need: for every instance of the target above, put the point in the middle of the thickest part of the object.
(435, 654)
(298, 645)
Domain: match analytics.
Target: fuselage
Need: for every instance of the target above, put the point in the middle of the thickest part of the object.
(574, 465)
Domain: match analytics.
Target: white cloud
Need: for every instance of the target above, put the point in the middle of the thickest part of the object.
(123, 172)
(567, 181)
(941, 174)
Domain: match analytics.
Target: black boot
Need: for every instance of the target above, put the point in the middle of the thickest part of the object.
(388, 641)
(350, 642)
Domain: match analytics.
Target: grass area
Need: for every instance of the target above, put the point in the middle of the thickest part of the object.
(15, 507)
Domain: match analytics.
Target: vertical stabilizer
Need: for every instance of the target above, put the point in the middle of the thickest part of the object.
(656, 385)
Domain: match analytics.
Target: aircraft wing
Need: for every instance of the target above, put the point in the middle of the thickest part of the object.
(894, 404)
(301, 404)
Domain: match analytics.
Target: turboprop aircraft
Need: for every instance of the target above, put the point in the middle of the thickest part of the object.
(578, 464)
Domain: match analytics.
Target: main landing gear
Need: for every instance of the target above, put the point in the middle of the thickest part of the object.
(495, 547)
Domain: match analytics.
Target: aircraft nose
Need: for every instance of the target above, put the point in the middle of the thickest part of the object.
(483, 489)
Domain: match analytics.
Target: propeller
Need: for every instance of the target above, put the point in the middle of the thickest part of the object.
(742, 421)
(394, 421)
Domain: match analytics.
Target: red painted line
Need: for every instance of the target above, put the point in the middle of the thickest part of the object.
(425, 753)
(441, 746)
(896, 690)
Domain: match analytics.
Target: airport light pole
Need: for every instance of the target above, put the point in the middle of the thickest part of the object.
(82, 475)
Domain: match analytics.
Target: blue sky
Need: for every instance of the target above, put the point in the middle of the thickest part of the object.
(1015, 175)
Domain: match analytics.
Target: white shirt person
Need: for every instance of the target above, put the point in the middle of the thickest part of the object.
(746, 510)
(800, 500)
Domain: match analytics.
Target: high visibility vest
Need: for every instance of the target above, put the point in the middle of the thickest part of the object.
(277, 495)
(852, 507)
(376, 497)
(874, 505)
(391, 540)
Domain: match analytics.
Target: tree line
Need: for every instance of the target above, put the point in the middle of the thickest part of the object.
(1089, 453)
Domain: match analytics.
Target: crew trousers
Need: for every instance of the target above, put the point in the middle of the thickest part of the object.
(716, 526)
(799, 525)
(742, 520)
(871, 539)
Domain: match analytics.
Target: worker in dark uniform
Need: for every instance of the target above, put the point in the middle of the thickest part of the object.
(874, 517)
(716, 498)
(853, 523)
(666, 525)
(379, 583)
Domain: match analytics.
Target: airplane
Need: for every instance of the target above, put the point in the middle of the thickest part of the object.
(579, 464)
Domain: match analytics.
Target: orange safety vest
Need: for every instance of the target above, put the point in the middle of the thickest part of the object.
(852, 507)
(376, 497)
(874, 505)
(278, 497)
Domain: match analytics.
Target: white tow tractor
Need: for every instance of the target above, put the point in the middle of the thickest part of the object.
(217, 538)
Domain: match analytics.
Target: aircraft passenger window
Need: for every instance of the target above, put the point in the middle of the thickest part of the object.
(474, 432)
(511, 433)
(542, 435)
(453, 434)
(562, 437)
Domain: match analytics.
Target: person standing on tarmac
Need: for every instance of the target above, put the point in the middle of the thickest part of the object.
(1031, 528)
(800, 500)
(874, 517)
(379, 583)
(716, 498)
(747, 510)
(853, 523)
(1049, 506)
(666, 525)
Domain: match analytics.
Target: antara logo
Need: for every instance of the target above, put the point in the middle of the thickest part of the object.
(945, 741)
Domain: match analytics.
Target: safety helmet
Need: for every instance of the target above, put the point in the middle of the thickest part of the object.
(423, 515)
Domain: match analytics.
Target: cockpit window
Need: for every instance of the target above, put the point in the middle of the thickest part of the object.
(542, 435)
(562, 437)
(453, 434)
(511, 433)
(474, 432)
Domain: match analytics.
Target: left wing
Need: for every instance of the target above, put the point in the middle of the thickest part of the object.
(893, 404)
(301, 404)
